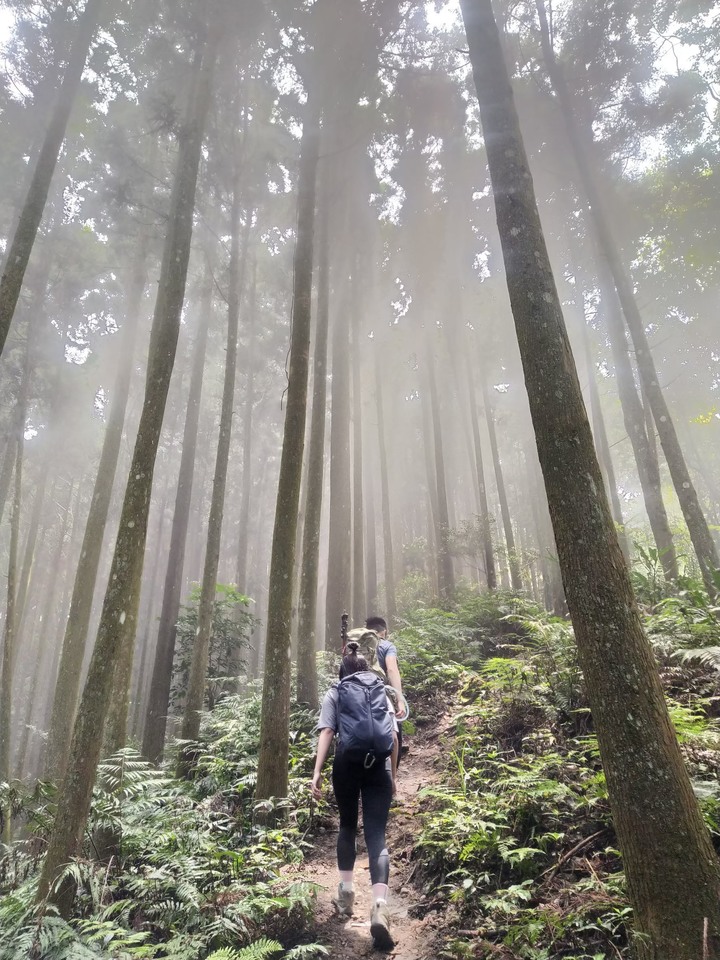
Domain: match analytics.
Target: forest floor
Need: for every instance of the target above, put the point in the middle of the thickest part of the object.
(415, 926)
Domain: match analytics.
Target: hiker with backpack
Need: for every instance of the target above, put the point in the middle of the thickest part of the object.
(359, 712)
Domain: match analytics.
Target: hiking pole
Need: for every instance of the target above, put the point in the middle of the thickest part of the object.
(344, 630)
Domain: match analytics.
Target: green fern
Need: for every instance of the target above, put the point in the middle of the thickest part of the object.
(259, 950)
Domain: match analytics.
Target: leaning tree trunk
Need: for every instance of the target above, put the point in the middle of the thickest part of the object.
(67, 688)
(23, 240)
(119, 612)
(582, 146)
(159, 697)
(599, 429)
(195, 694)
(672, 871)
(307, 686)
(633, 413)
(272, 779)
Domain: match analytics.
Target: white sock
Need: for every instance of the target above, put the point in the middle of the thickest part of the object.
(380, 892)
(346, 879)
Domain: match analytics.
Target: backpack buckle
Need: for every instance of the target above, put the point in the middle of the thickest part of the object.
(372, 758)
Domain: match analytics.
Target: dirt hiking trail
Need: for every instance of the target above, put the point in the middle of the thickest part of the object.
(415, 926)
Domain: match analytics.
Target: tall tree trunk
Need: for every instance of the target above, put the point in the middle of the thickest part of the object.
(119, 613)
(31, 214)
(672, 871)
(67, 689)
(247, 444)
(513, 564)
(339, 556)
(388, 555)
(307, 689)
(583, 149)
(600, 433)
(40, 652)
(159, 699)
(359, 596)
(10, 632)
(634, 420)
(195, 695)
(272, 780)
(30, 544)
(490, 573)
(371, 572)
(446, 574)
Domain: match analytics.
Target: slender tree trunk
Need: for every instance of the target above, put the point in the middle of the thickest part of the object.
(159, 699)
(515, 577)
(307, 691)
(6, 475)
(490, 573)
(272, 780)
(67, 689)
(371, 573)
(634, 420)
(30, 544)
(601, 437)
(583, 148)
(119, 613)
(339, 557)
(388, 555)
(446, 574)
(672, 871)
(40, 652)
(247, 444)
(195, 695)
(31, 214)
(359, 596)
(9, 652)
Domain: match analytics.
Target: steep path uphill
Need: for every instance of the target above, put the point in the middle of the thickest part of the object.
(416, 932)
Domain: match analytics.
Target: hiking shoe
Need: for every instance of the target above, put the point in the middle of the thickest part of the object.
(344, 901)
(380, 926)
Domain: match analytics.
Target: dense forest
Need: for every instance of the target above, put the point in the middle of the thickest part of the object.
(397, 307)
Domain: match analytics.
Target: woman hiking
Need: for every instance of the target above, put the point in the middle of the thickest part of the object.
(364, 768)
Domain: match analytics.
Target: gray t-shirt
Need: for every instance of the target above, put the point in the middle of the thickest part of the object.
(328, 711)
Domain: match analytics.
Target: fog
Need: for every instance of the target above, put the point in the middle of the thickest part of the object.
(428, 482)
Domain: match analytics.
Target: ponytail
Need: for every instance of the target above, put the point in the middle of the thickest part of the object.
(352, 662)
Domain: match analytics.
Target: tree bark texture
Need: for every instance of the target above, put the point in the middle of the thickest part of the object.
(634, 419)
(359, 595)
(23, 240)
(195, 694)
(583, 149)
(159, 698)
(67, 688)
(272, 780)
(307, 687)
(672, 871)
(388, 554)
(119, 612)
(339, 557)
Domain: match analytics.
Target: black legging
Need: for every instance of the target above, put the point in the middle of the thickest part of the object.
(351, 781)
